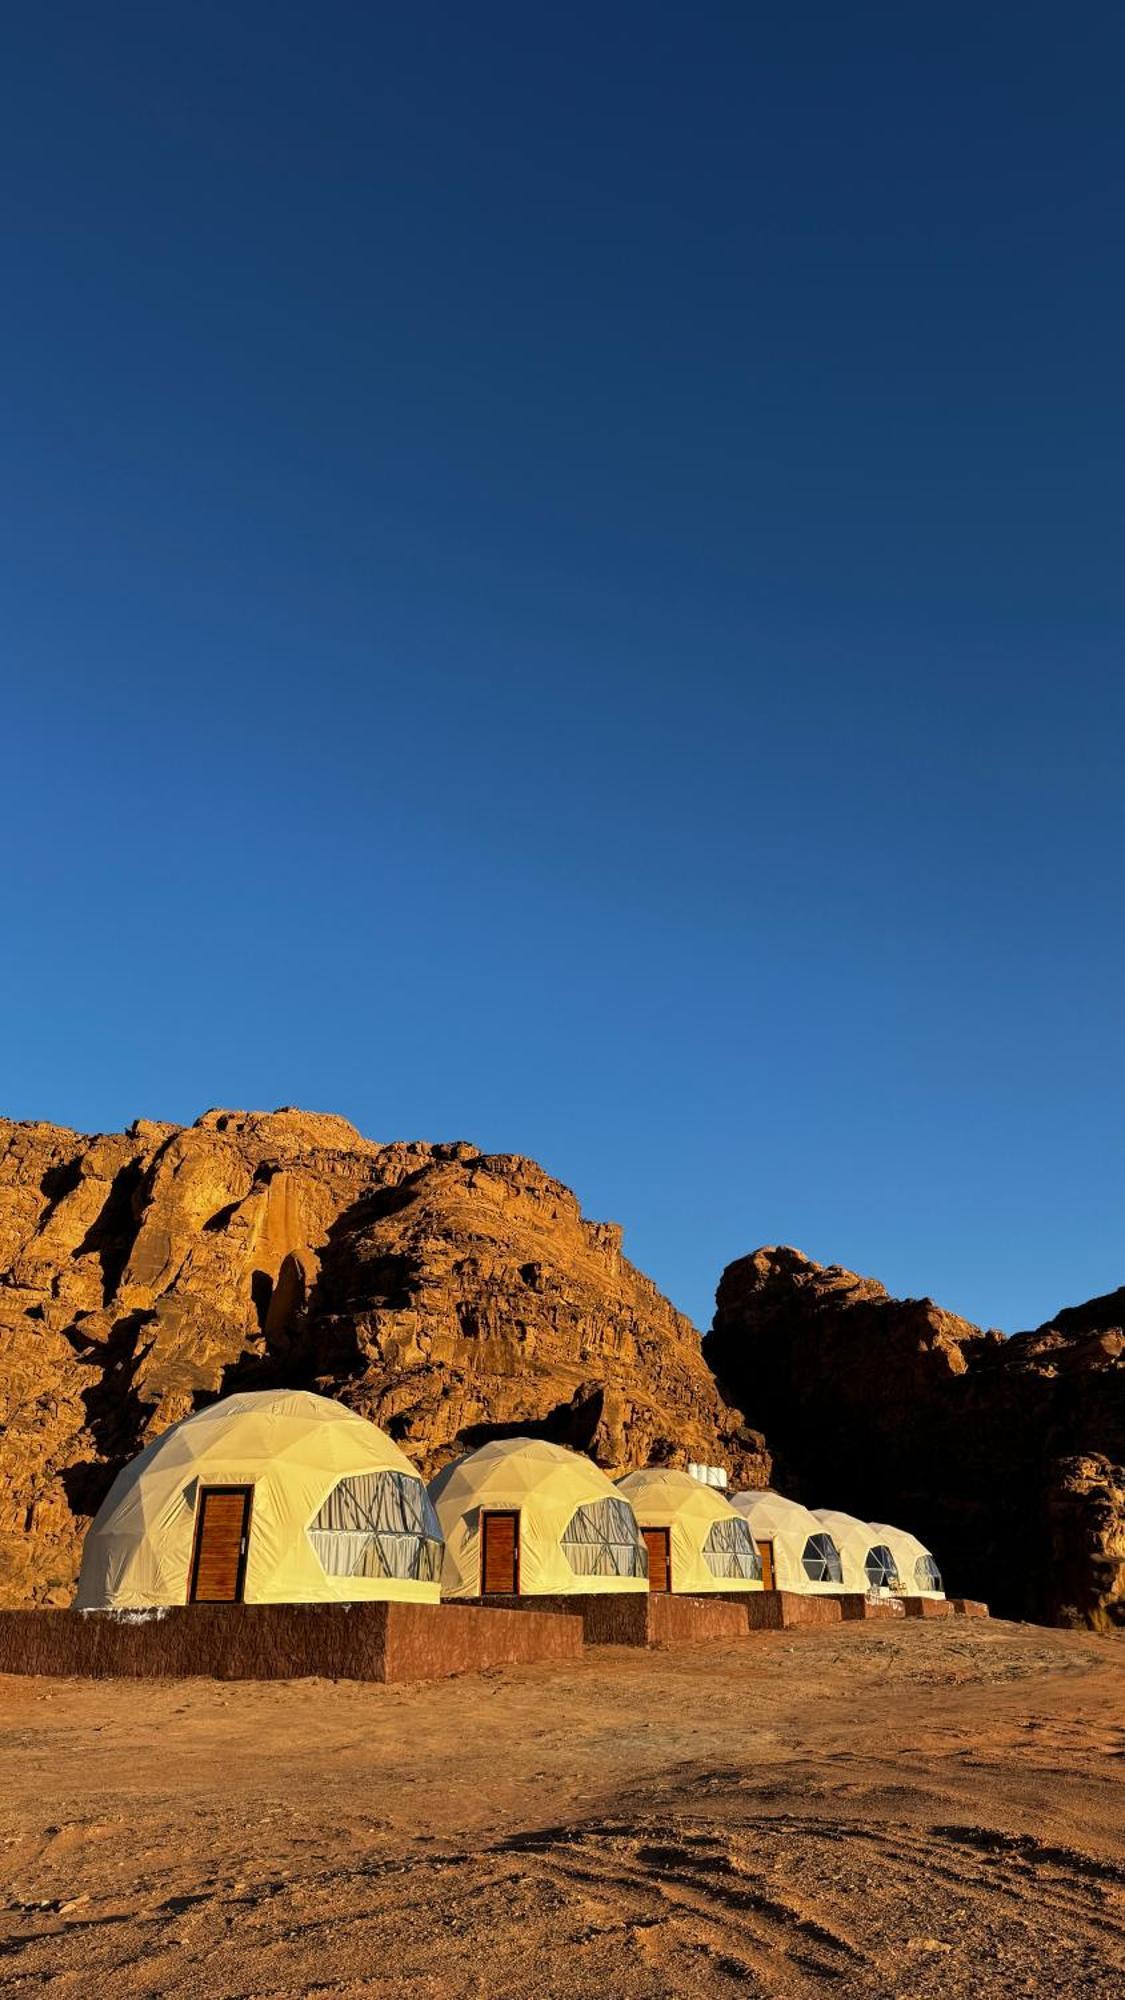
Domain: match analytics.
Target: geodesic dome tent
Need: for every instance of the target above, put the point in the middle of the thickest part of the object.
(696, 1541)
(272, 1497)
(791, 1541)
(918, 1573)
(521, 1517)
(868, 1562)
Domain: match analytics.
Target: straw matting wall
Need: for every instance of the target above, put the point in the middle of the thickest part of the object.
(366, 1642)
(612, 1618)
(781, 1610)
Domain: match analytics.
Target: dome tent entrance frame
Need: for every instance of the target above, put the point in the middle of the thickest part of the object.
(573, 1534)
(500, 1552)
(323, 1526)
(221, 1545)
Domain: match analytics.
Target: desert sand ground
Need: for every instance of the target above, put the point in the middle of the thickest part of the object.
(883, 1810)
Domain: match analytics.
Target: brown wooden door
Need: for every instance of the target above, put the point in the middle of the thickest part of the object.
(499, 1555)
(658, 1542)
(765, 1550)
(222, 1539)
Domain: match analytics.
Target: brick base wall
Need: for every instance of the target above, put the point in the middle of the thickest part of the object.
(365, 1642)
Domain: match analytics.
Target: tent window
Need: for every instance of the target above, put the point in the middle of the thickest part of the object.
(880, 1567)
(379, 1524)
(927, 1575)
(729, 1551)
(821, 1560)
(603, 1539)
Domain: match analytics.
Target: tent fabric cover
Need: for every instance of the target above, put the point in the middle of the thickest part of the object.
(561, 1549)
(913, 1560)
(855, 1540)
(293, 1448)
(662, 1497)
(790, 1527)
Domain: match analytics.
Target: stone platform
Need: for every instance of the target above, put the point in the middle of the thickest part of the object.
(362, 1642)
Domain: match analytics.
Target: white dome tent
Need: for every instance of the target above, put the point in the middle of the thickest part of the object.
(798, 1552)
(918, 1573)
(271, 1497)
(524, 1518)
(869, 1564)
(696, 1541)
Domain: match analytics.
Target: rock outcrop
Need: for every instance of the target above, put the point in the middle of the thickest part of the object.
(450, 1296)
(1006, 1456)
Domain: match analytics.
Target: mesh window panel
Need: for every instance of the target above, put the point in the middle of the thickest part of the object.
(729, 1551)
(379, 1524)
(880, 1568)
(602, 1539)
(821, 1560)
(927, 1575)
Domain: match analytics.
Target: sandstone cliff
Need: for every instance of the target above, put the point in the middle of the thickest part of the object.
(447, 1295)
(1007, 1456)
(452, 1297)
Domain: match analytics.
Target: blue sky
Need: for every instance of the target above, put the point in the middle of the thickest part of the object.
(561, 582)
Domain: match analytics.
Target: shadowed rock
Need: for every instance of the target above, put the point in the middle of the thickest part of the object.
(1005, 1456)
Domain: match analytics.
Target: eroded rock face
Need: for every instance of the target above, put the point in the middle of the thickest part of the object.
(1006, 1456)
(447, 1295)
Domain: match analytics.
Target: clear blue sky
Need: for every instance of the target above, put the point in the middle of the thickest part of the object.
(562, 585)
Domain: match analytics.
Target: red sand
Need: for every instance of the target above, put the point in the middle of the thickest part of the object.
(901, 1808)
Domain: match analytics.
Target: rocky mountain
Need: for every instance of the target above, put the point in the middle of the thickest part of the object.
(450, 1296)
(453, 1296)
(1006, 1456)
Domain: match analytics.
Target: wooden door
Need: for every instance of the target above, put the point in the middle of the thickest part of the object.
(222, 1538)
(499, 1555)
(765, 1550)
(658, 1542)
